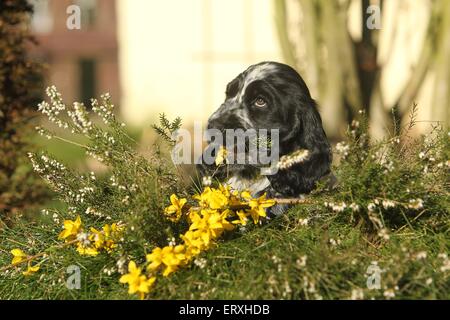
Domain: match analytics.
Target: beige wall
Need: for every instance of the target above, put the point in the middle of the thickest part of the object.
(178, 55)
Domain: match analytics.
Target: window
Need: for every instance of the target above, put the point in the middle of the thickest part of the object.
(88, 80)
(88, 12)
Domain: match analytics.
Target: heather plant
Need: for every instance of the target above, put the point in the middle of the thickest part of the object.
(381, 233)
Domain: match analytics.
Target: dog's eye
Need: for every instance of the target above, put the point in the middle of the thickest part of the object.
(260, 102)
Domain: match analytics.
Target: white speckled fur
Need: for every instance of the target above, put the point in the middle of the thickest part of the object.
(254, 185)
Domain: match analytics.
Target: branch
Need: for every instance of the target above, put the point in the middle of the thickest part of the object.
(283, 35)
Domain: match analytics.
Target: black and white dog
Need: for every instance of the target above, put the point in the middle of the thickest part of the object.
(272, 95)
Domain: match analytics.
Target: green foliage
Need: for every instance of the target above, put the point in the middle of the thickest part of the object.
(390, 210)
(166, 129)
(394, 182)
(20, 85)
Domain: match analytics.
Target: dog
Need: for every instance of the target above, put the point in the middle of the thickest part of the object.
(272, 95)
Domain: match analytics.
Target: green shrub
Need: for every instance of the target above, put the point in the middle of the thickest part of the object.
(390, 210)
(20, 85)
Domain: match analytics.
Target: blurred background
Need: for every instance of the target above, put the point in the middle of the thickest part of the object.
(176, 56)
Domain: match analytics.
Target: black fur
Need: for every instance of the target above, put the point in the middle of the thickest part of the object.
(289, 108)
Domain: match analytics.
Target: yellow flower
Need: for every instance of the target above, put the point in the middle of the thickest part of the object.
(242, 218)
(212, 198)
(171, 257)
(98, 237)
(232, 195)
(174, 211)
(258, 206)
(155, 259)
(193, 242)
(221, 157)
(71, 229)
(86, 250)
(116, 230)
(30, 270)
(137, 282)
(18, 256)
(211, 224)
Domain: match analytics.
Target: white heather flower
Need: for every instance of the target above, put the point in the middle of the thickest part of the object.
(357, 294)
(422, 155)
(429, 281)
(121, 265)
(287, 289)
(384, 234)
(415, 204)
(334, 242)
(55, 218)
(443, 256)
(206, 181)
(342, 148)
(388, 204)
(371, 206)
(83, 238)
(303, 222)
(171, 242)
(301, 262)
(289, 160)
(275, 259)
(354, 207)
(336, 207)
(421, 255)
(200, 262)
(445, 266)
(390, 293)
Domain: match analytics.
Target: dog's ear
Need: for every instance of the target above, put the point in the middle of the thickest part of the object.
(302, 178)
(312, 135)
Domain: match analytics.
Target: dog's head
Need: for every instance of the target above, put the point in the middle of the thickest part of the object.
(271, 95)
(267, 95)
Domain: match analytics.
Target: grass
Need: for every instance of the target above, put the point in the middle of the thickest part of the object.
(389, 213)
(284, 259)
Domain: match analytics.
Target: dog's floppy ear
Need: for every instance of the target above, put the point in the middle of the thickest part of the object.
(301, 178)
(312, 135)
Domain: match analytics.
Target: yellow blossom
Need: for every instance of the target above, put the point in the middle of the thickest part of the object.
(31, 270)
(97, 237)
(232, 195)
(242, 218)
(258, 206)
(212, 198)
(193, 242)
(18, 256)
(137, 282)
(71, 229)
(174, 211)
(211, 224)
(170, 256)
(86, 250)
(221, 157)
